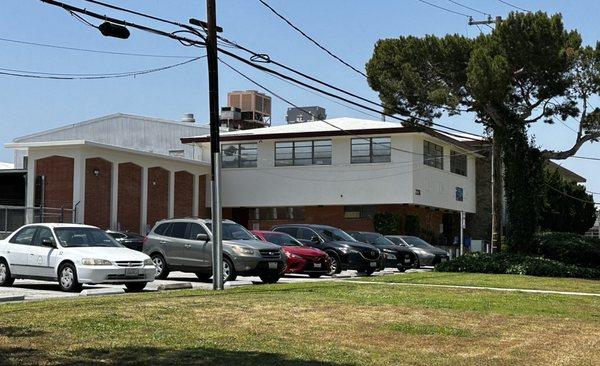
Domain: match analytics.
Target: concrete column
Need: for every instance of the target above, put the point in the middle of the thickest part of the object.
(196, 195)
(171, 211)
(79, 187)
(144, 204)
(114, 196)
(30, 193)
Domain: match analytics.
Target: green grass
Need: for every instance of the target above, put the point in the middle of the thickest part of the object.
(494, 280)
(326, 323)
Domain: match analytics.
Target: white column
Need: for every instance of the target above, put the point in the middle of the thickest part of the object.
(114, 196)
(29, 198)
(79, 187)
(144, 204)
(196, 195)
(171, 205)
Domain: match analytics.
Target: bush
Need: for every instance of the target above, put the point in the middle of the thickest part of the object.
(568, 248)
(508, 263)
(387, 223)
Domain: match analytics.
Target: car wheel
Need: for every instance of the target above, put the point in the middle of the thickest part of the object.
(135, 286)
(417, 264)
(335, 267)
(67, 278)
(229, 272)
(270, 278)
(162, 270)
(368, 272)
(5, 276)
(203, 276)
(314, 275)
(401, 268)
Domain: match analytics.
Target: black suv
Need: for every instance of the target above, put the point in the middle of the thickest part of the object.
(396, 256)
(346, 253)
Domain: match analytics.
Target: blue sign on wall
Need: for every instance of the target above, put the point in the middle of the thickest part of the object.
(459, 194)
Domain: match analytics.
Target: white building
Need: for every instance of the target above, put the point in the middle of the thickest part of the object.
(342, 171)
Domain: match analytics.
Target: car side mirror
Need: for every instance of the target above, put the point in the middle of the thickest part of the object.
(48, 242)
(202, 237)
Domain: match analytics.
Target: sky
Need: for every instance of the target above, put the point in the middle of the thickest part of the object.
(349, 28)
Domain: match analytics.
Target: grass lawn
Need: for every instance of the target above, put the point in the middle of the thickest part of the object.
(494, 280)
(325, 323)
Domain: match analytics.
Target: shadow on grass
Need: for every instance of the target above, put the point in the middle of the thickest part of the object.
(150, 356)
(15, 332)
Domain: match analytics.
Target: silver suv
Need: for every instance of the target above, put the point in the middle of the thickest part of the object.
(185, 245)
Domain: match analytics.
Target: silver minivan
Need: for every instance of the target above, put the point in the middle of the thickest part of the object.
(185, 245)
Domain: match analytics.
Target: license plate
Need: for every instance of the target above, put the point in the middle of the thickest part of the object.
(272, 265)
(444, 259)
(131, 272)
(317, 265)
(373, 264)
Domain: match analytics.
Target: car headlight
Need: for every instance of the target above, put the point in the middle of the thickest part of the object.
(389, 251)
(95, 262)
(292, 255)
(148, 262)
(244, 250)
(349, 251)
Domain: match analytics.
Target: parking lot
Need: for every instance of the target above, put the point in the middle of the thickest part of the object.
(40, 290)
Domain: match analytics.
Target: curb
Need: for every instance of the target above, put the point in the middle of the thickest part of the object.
(175, 286)
(100, 292)
(11, 298)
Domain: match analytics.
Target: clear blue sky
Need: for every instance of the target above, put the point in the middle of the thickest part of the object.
(348, 27)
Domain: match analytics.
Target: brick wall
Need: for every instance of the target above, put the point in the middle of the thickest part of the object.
(130, 197)
(58, 188)
(97, 192)
(158, 195)
(203, 211)
(184, 194)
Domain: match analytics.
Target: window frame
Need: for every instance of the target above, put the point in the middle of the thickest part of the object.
(294, 160)
(368, 141)
(432, 160)
(14, 237)
(238, 156)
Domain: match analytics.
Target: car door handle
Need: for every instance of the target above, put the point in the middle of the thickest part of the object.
(31, 254)
(188, 245)
(163, 242)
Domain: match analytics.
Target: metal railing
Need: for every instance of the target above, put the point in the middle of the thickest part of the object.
(13, 217)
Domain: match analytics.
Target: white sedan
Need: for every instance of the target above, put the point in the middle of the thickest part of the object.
(73, 255)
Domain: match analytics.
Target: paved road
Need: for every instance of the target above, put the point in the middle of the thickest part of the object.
(39, 290)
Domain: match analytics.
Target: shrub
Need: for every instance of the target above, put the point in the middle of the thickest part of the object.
(508, 263)
(412, 225)
(568, 248)
(387, 223)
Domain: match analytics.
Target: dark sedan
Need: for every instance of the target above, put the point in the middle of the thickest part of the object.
(428, 255)
(129, 240)
(396, 256)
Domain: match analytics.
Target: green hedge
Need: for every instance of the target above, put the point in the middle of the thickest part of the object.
(507, 263)
(568, 248)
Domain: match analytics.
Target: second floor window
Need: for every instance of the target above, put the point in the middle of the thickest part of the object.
(371, 150)
(458, 163)
(433, 155)
(295, 153)
(239, 155)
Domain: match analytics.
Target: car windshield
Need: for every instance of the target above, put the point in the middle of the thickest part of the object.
(282, 239)
(378, 239)
(333, 234)
(77, 237)
(233, 231)
(395, 240)
(413, 241)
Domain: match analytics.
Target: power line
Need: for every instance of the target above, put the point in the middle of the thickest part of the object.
(58, 76)
(470, 8)
(445, 9)
(568, 195)
(90, 50)
(514, 6)
(585, 157)
(311, 39)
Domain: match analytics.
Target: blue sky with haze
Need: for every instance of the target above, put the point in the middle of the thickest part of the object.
(347, 27)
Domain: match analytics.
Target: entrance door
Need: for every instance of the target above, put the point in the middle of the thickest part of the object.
(241, 216)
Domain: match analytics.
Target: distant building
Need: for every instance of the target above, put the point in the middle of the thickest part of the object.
(305, 114)
(594, 231)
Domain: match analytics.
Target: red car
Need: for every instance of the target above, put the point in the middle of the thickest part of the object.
(300, 258)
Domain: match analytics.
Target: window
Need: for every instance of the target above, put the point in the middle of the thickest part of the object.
(196, 229)
(359, 212)
(239, 155)
(293, 231)
(24, 236)
(162, 229)
(305, 234)
(278, 213)
(178, 230)
(298, 153)
(177, 153)
(433, 155)
(458, 163)
(83, 237)
(42, 233)
(371, 150)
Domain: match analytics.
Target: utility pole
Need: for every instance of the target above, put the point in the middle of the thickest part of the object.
(215, 147)
(462, 233)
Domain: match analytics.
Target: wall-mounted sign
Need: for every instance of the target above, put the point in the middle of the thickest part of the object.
(459, 194)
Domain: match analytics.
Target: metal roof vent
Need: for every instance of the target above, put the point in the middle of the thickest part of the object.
(188, 118)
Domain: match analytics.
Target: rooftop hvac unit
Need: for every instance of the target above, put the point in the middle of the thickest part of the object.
(255, 106)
